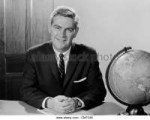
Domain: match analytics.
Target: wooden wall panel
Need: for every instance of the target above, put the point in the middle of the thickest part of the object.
(2, 67)
(40, 12)
(14, 82)
(15, 16)
(25, 24)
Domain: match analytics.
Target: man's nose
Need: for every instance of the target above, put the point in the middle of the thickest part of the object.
(63, 33)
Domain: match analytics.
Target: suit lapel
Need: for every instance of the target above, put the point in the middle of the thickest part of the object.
(71, 64)
(53, 63)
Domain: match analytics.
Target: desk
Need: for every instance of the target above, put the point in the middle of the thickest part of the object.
(20, 108)
(107, 108)
(16, 108)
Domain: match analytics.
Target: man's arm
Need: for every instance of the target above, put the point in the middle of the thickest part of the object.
(30, 92)
(95, 92)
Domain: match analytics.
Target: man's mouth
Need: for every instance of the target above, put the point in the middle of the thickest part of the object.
(61, 39)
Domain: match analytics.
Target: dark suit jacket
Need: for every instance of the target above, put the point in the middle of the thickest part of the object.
(41, 77)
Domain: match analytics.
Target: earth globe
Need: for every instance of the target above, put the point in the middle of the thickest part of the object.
(128, 79)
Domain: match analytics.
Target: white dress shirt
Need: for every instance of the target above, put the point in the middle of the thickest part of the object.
(66, 57)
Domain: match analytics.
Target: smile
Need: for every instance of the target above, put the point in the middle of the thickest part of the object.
(61, 39)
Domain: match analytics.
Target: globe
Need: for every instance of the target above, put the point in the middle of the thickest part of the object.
(128, 78)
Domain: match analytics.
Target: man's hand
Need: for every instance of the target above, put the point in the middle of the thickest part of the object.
(69, 105)
(61, 104)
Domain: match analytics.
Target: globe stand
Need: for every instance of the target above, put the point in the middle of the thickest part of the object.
(134, 110)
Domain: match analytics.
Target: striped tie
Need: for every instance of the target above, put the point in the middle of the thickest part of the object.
(61, 69)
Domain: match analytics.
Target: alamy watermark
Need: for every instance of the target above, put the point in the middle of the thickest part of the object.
(104, 57)
(38, 57)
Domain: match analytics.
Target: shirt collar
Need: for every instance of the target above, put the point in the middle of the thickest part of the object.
(66, 53)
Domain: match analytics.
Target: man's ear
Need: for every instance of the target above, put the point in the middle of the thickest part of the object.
(49, 27)
(76, 32)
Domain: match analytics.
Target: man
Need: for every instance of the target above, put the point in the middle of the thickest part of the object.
(62, 75)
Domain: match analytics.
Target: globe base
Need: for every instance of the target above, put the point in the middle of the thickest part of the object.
(134, 110)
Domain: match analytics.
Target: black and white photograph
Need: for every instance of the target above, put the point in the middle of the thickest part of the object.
(74, 59)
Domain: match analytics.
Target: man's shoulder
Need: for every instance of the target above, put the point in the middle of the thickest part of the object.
(84, 48)
(39, 47)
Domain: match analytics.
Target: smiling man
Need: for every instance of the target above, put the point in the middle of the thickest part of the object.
(63, 30)
(60, 74)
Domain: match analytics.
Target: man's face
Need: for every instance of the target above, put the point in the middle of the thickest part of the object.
(62, 32)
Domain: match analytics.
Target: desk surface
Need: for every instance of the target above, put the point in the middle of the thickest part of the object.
(20, 108)
(16, 108)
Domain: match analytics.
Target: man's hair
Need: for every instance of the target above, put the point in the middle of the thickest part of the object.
(66, 12)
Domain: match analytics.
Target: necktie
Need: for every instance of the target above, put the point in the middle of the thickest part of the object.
(61, 68)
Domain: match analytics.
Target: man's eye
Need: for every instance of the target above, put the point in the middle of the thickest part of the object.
(70, 29)
(57, 27)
